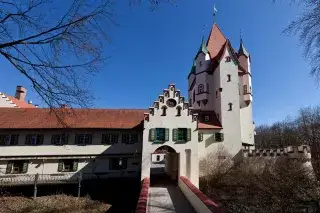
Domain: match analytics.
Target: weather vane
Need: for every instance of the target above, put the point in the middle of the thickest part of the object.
(214, 12)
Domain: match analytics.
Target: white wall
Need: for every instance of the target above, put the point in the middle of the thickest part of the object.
(171, 121)
(230, 120)
(5, 101)
(208, 144)
(71, 148)
(247, 126)
(161, 157)
(196, 203)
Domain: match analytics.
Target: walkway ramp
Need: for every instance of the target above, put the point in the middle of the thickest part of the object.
(168, 199)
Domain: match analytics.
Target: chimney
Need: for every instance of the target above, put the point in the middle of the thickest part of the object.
(21, 93)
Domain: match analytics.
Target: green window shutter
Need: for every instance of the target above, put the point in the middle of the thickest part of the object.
(167, 135)
(25, 167)
(60, 166)
(152, 134)
(28, 140)
(174, 134)
(9, 167)
(40, 139)
(65, 138)
(222, 136)
(188, 134)
(200, 136)
(216, 136)
(75, 166)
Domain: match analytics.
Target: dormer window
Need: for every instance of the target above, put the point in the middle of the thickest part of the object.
(200, 89)
(230, 106)
(228, 59)
(229, 77)
(206, 118)
(178, 111)
(164, 111)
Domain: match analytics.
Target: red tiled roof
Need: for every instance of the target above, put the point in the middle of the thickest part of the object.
(213, 122)
(42, 118)
(215, 41)
(208, 126)
(21, 104)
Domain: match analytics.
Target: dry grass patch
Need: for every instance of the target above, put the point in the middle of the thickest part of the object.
(51, 204)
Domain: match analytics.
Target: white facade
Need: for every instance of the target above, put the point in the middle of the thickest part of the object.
(187, 151)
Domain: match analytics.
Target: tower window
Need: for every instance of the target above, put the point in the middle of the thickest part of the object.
(178, 111)
(200, 89)
(164, 111)
(158, 157)
(207, 88)
(218, 116)
(228, 59)
(229, 77)
(206, 118)
(245, 89)
(230, 106)
(216, 94)
(200, 63)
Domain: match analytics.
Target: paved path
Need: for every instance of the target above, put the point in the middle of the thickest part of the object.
(168, 199)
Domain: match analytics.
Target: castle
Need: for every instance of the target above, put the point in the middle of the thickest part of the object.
(122, 142)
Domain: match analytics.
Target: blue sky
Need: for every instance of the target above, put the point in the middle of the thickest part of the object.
(151, 49)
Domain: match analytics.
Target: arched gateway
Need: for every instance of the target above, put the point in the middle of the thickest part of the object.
(171, 135)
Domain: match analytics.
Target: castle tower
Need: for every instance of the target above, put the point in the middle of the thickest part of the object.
(245, 90)
(214, 89)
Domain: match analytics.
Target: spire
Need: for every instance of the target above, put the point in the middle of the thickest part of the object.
(203, 47)
(214, 13)
(242, 49)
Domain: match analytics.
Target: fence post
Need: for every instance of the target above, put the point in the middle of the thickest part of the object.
(35, 190)
(79, 183)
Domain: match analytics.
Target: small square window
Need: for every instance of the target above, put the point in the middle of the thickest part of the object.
(228, 59)
(206, 118)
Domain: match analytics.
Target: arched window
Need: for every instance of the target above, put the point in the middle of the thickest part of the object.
(164, 111)
(230, 106)
(158, 157)
(178, 110)
(229, 77)
(200, 89)
(245, 89)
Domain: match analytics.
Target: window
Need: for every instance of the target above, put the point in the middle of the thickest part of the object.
(207, 88)
(164, 111)
(200, 89)
(218, 137)
(181, 134)
(159, 135)
(59, 139)
(129, 138)
(228, 59)
(200, 136)
(158, 157)
(206, 118)
(218, 116)
(217, 94)
(200, 63)
(110, 138)
(245, 89)
(83, 139)
(17, 167)
(229, 77)
(178, 111)
(230, 106)
(68, 165)
(7, 140)
(117, 163)
(36, 139)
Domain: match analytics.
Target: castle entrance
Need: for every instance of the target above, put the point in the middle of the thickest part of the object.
(164, 166)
